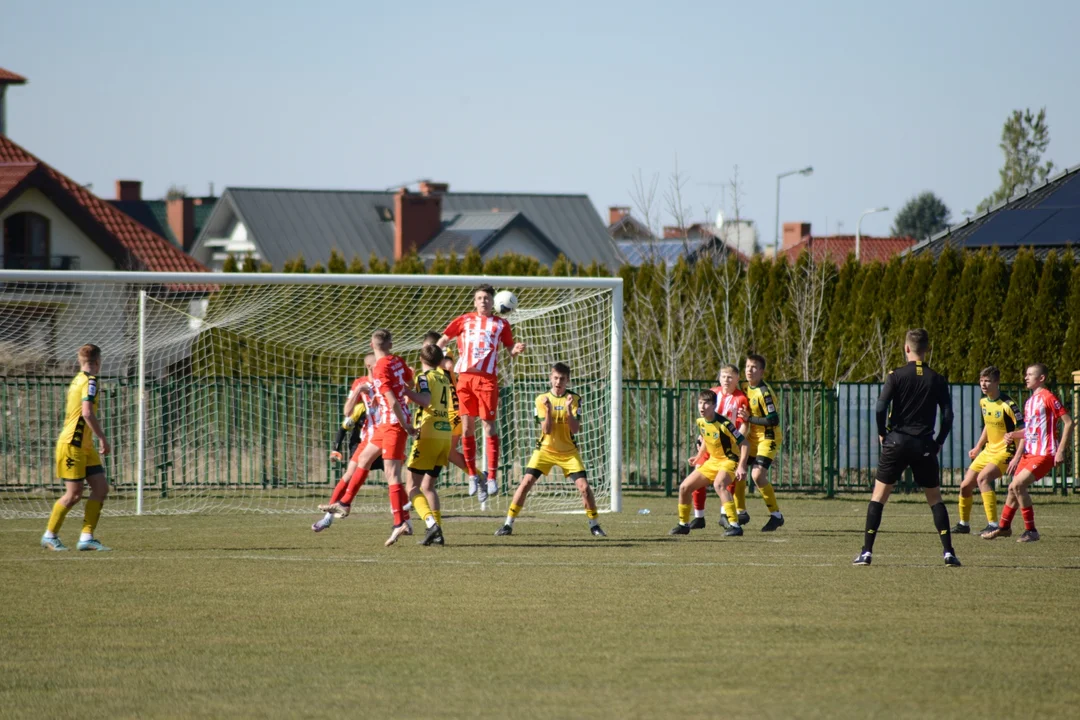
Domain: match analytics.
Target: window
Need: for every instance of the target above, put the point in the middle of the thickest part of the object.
(385, 213)
(26, 242)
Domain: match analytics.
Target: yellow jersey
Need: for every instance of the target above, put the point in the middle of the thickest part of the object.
(720, 437)
(999, 417)
(451, 407)
(433, 421)
(560, 440)
(763, 405)
(82, 389)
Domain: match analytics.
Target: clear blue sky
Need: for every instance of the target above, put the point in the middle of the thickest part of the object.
(883, 99)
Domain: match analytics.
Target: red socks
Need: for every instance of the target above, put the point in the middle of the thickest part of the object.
(699, 498)
(492, 456)
(339, 490)
(398, 498)
(468, 450)
(1007, 514)
(1028, 514)
(355, 483)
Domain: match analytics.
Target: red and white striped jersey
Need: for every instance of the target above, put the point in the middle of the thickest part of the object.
(371, 416)
(478, 340)
(728, 405)
(391, 373)
(1041, 413)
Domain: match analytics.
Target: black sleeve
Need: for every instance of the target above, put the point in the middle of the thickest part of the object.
(881, 410)
(340, 436)
(944, 402)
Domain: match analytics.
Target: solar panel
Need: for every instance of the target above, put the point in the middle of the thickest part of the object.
(1066, 196)
(1061, 229)
(1008, 228)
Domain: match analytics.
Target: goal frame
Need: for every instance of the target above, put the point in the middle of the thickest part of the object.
(615, 285)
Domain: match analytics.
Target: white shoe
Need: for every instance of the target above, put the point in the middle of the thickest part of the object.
(396, 533)
(492, 488)
(481, 494)
(474, 483)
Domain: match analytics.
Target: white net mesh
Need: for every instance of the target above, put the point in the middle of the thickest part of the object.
(245, 383)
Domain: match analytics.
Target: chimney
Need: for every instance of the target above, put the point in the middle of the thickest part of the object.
(417, 217)
(794, 232)
(617, 213)
(181, 216)
(7, 78)
(128, 190)
(673, 232)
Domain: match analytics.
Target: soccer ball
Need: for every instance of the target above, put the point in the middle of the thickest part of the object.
(505, 301)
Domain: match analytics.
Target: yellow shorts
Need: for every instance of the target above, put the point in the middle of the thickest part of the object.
(75, 463)
(763, 448)
(455, 426)
(542, 461)
(429, 453)
(714, 466)
(984, 458)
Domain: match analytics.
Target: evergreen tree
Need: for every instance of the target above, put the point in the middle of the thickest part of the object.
(378, 266)
(356, 265)
(1069, 358)
(266, 267)
(922, 216)
(440, 265)
(318, 268)
(939, 302)
(862, 365)
(410, 264)
(1016, 314)
(249, 265)
(562, 267)
(848, 280)
(229, 265)
(336, 263)
(472, 263)
(989, 308)
(1046, 327)
(955, 343)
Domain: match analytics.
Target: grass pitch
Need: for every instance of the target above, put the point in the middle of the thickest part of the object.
(256, 616)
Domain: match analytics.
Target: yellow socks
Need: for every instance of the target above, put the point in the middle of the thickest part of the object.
(965, 508)
(740, 495)
(420, 504)
(768, 494)
(513, 511)
(591, 513)
(989, 505)
(59, 512)
(729, 510)
(684, 514)
(438, 516)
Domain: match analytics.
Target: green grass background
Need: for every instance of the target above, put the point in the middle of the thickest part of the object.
(256, 616)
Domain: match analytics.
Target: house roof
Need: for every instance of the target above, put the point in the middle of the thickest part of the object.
(9, 78)
(481, 230)
(1045, 217)
(154, 214)
(638, 252)
(131, 244)
(286, 222)
(838, 247)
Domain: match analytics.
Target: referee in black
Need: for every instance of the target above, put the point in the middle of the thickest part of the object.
(907, 440)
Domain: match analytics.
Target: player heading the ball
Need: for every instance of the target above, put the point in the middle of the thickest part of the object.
(479, 335)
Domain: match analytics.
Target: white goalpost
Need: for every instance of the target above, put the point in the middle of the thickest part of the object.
(222, 392)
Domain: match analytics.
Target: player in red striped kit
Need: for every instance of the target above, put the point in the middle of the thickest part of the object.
(479, 335)
(1040, 449)
(729, 398)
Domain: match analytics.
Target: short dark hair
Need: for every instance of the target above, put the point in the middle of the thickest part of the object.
(383, 339)
(1041, 369)
(561, 368)
(727, 366)
(485, 288)
(431, 337)
(89, 353)
(707, 395)
(918, 340)
(431, 355)
(759, 359)
(990, 372)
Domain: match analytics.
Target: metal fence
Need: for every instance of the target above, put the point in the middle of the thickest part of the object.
(229, 440)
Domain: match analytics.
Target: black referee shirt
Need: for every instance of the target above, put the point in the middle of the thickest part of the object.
(916, 392)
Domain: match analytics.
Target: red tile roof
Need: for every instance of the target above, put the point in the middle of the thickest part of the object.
(838, 247)
(149, 250)
(9, 78)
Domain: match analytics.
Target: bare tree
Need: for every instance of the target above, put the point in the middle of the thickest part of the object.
(808, 284)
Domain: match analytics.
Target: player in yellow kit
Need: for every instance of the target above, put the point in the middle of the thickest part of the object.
(431, 449)
(76, 459)
(992, 453)
(764, 436)
(559, 413)
(728, 455)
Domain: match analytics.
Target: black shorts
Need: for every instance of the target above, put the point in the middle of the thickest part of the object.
(900, 452)
(761, 461)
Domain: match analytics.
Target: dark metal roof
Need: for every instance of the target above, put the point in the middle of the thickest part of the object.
(285, 223)
(1045, 218)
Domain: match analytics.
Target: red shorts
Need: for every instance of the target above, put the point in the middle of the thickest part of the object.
(1038, 465)
(391, 438)
(478, 395)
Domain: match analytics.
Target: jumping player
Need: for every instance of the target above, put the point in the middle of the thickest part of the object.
(431, 449)
(724, 467)
(559, 413)
(729, 400)
(1042, 449)
(479, 335)
(76, 459)
(991, 455)
(764, 439)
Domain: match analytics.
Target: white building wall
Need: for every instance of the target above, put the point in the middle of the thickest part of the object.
(65, 237)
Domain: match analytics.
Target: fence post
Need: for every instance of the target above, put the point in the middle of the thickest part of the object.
(669, 439)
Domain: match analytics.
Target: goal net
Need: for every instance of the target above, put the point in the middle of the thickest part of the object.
(224, 392)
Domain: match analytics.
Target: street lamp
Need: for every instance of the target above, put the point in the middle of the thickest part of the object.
(858, 229)
(808, 170)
